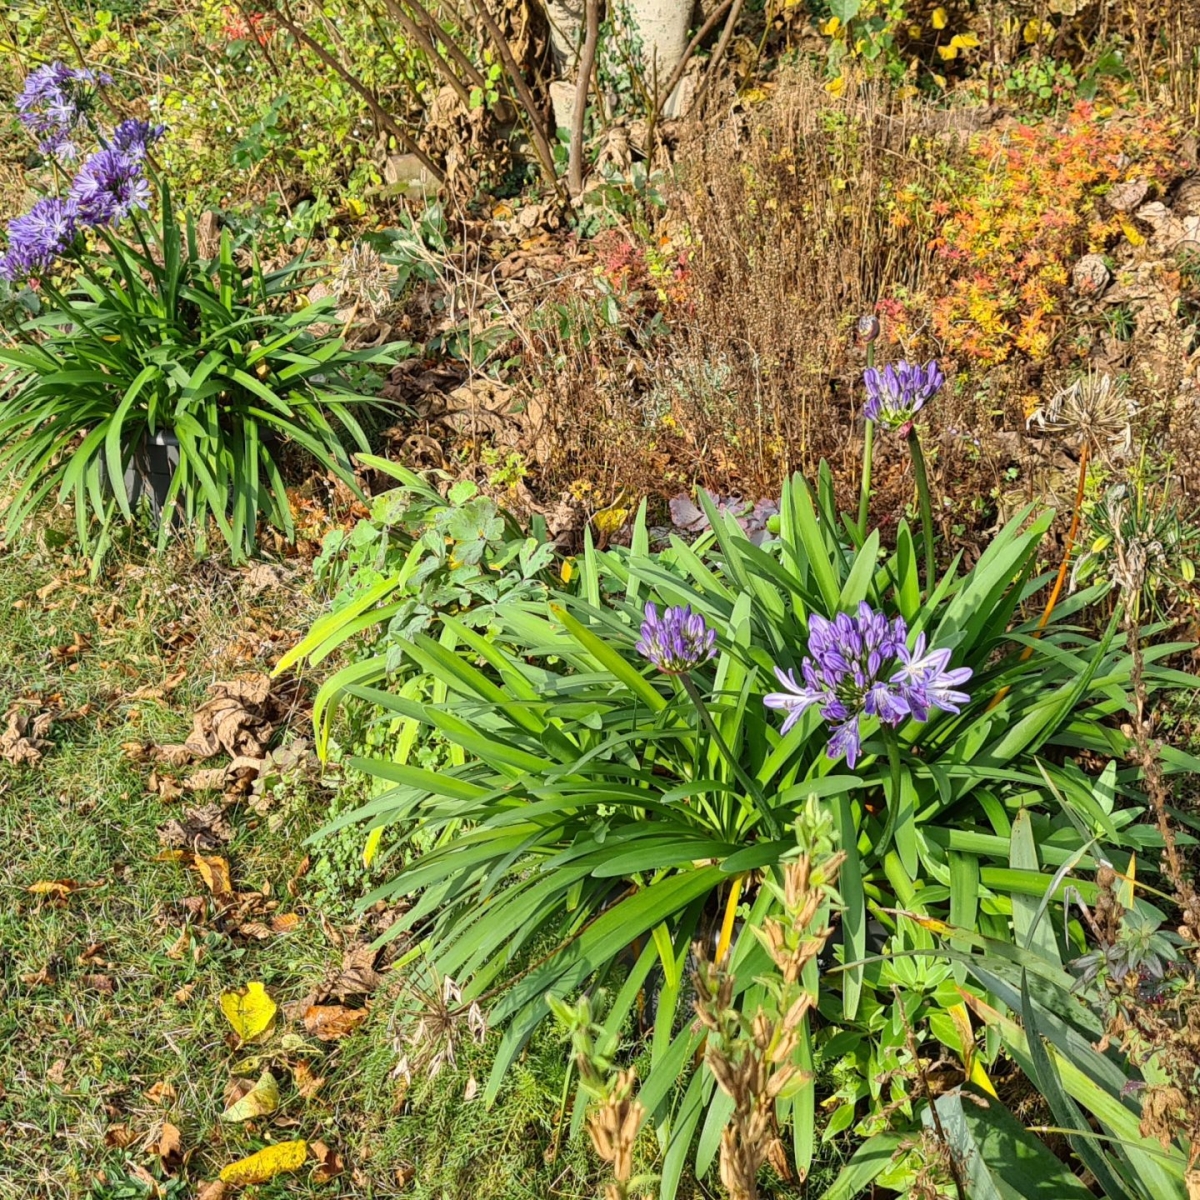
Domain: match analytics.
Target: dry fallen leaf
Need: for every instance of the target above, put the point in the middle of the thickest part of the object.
(184, 994)
(147, 1180)
(329, 1022)
(357, 976)
(100, 983)
(214, 871)
(59, 889)
(250, 1011)
(266, 1164)
(284, 922)
(170, 1144)
(163, 1092)
(329, 1162)
(25, 741)
(214, 1190)
(261, 1100)
(307, 1084)
(203, 828)
(43, 978)
(117, 1137)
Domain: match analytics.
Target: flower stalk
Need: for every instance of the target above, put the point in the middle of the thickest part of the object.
(919, 473)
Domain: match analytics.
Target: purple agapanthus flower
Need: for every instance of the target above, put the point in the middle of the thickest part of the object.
(860, 665)
(135, 137)
(37, 238)
(925, 683)
(109, 186)
(677, 641)
(52, 104)
(898, 392)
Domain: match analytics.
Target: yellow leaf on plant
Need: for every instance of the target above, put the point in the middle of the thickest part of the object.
(831, 26)
(372, 846)
(266, 1164)
(940, 80)
(1032, 31)
(835, 87)
(355, 207)
(250, 1011)
(940, 18)
(946, 53)
(261, 1099)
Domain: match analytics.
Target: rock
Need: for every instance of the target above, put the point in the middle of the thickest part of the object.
(407, 173)
(562, 100)
(1169, 231)
(1090, 275)
(1125, 197)
(1186, 202)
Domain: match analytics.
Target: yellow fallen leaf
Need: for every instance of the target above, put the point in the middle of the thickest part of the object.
(215, 873)
(939, 18)
(261, 1099)
(1130, 231)
(964, 41)
(946, 53)
(835, 87)
(266, 1164)
(830, 28)
(250, 1011)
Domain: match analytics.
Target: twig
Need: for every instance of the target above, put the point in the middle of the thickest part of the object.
(540, 144)
(419, 36)
(719, 53)
(692, 47)
(381, 114)
(579, 115)
(434, 29)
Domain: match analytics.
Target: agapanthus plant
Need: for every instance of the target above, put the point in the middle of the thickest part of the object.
(143, 341)
(861, 666)
(895, 395)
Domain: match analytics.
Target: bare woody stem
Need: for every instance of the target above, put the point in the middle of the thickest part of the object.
(587, 58)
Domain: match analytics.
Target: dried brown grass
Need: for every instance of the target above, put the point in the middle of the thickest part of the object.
(786, 209)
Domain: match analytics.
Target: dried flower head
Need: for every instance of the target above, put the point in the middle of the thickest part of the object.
(364, 281)
(678, 641)
(1095, 409)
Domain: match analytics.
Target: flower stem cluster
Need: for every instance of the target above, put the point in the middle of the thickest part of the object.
(861, 666)
(108, 187)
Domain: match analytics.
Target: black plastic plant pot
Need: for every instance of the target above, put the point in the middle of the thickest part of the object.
(149, 473)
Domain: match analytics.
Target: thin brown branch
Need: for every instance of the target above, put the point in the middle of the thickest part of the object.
(381, 114)
(541, 144)
(719, 53)
(579, 116)
(692, 47)
(434, 29)
(418, 35)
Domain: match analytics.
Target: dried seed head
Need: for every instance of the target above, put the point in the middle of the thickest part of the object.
(1095, 409)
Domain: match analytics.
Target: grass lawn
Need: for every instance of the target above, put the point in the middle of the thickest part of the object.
(112, 1036)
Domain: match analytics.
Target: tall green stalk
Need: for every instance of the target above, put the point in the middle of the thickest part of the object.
(752, 788)
(918, 461)
(864, 494)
